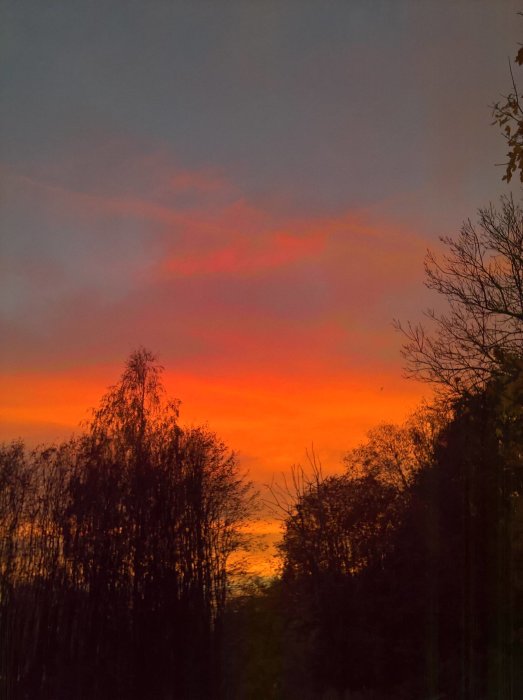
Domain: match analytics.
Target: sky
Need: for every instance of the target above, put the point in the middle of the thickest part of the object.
(248, 189)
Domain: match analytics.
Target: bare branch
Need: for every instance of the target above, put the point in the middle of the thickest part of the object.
(481, 277)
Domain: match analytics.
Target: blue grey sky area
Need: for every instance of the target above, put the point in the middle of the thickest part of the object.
(313, 105)
(217, 163)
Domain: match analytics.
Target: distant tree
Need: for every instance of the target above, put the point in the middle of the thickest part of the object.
(481, 279)
(394, 454)
(338, 526)
(336, 537)
(387, 455)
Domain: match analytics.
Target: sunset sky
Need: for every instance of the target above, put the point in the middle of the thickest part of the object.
(245, 188)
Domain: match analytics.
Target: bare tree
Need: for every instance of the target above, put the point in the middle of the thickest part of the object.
(394, 454)
(481, 278)
(387, 455)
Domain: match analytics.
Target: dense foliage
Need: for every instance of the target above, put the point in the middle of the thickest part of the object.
(398, 589)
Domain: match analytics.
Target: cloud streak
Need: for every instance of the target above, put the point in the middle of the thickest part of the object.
(221, 287)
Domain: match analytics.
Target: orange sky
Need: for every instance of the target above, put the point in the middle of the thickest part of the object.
(271, 421)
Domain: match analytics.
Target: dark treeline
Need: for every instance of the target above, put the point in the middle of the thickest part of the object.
(402, 578)
(113, 553)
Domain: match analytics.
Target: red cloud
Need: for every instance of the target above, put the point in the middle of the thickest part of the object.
(248, 256)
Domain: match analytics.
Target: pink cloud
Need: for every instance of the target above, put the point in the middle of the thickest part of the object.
(222, 282)
(247, 256)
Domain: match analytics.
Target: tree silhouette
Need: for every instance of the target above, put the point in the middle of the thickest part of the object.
(457, 557)
(393, 454)
(402, 578)
(481, 279)
(115, 551)
(336, 536)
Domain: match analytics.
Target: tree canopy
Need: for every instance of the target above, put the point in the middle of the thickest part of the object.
(114, 552)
